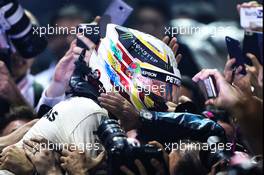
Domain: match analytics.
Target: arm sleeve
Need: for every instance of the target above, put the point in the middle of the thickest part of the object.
(51, 102)
(171, 127)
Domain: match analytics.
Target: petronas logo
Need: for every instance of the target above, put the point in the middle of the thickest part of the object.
(126, 35)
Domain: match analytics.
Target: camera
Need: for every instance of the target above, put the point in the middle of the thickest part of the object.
(121, 151)
(208, 87)
(16, 25)
(210, 158)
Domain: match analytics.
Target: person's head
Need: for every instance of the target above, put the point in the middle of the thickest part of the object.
(186, 161)
(142, 68)
(67, 17)
(16, 118)
(151, 17)
(203, 12)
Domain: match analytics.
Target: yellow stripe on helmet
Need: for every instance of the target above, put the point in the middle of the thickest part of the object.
(153, 49)
(148, 102)
(113, 62)
(135, 99)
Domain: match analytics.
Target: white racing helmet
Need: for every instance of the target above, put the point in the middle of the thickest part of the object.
(139, 66)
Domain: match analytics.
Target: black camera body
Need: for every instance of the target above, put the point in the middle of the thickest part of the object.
(19, 31)
(123, 152)
(210, 159)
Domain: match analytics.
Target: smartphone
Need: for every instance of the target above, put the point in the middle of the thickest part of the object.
(235, 51)
(208, 87)
(253, 43)
(91, 31)
(118, 11)
(252, 18)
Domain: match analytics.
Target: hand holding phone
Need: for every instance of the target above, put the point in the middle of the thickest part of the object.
(208, 87)
(235, 51)
(91, 31)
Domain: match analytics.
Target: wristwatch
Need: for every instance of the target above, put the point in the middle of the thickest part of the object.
(146, 116)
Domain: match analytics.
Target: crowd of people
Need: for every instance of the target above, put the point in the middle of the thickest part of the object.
(133, 103)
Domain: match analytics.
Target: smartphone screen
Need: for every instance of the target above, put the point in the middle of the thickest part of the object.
(235, 51)
(119, 11)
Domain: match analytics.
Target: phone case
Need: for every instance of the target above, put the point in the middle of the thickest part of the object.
(235, 51)
(119, 11)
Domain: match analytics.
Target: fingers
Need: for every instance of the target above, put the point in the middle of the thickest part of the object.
(238, 70)
(73, 44)
(173, 45)
(254, 60)
(39, 139)
(140, 167)
(205, 73)
(31, 145)
(156, 144)
(178, 58)
(65, 152)
(113, 96)
(210, 102)
(68, 58)
(184, 99)
(109, 101)
(172, 42)
(77, 51)
(125, 170)
(63, 166)
(3, 68)
(158, 166)
(63, 159)
(97, 19)
(229, 64)
(166, 40)
(86, 41)
(31, 123)
(100, 158)
(110, 108)
(29, 151)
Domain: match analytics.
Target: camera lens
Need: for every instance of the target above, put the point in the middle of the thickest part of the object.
(111, 135)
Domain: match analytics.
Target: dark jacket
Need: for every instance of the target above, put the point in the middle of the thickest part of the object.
(171, 127)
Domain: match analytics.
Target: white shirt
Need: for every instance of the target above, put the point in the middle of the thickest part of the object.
(5, 172)
(49, 101)
(72, 121)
